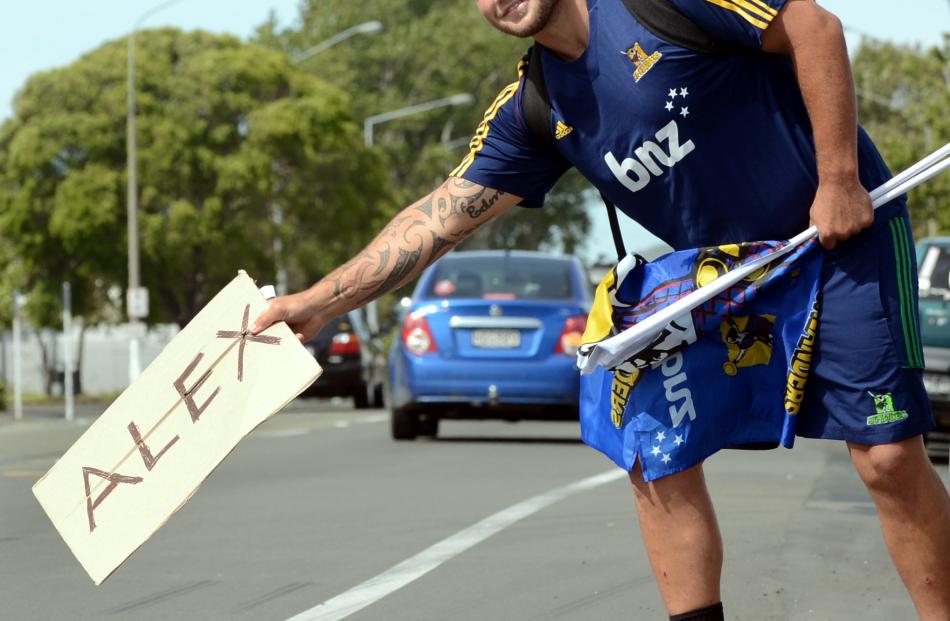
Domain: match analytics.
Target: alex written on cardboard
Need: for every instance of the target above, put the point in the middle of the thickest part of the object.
(146, 455)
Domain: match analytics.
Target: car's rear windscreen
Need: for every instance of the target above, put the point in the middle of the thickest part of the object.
(502, 278)
(935, 271)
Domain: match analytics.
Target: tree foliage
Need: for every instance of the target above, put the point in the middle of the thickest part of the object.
(903, 99)
(428, 49)
(226, 132)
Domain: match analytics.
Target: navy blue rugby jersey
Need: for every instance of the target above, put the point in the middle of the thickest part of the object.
(700, 150)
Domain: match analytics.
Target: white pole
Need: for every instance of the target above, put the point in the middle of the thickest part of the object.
(68, 351)
(17, 359)
(135, 368)
(135, 324)
(132, 206)
(277, 217)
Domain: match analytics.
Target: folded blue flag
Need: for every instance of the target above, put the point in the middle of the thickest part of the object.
(730, 373)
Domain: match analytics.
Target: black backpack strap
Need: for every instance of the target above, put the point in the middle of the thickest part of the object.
(614, 227)
(535, 102)
(666, 22)
(536, 107)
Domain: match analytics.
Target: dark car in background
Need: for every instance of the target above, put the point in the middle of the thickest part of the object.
(489, 335)
(933, 256)
(353, 362)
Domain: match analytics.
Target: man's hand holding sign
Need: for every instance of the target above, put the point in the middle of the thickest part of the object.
(147, 454)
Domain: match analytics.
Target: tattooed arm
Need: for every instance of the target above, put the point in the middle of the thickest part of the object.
(417, 236)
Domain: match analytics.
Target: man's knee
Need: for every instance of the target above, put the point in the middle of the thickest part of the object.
(892, 467)
(685, 484)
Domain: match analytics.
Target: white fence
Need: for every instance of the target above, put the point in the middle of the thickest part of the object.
(104, 367)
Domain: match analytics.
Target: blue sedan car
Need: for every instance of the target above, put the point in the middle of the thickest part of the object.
(489, 334)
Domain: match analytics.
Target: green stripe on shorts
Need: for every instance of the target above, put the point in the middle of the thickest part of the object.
(905, 284)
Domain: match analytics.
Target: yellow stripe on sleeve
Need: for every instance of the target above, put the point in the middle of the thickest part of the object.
(765, 7)
(730, 6)
(478, 140)
(754, 8)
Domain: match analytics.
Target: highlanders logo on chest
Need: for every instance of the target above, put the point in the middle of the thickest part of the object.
(642, 61)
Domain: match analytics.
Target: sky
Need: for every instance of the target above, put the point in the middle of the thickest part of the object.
(42, 34)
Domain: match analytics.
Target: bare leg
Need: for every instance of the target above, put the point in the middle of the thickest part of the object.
(682, 537)
(915, 516)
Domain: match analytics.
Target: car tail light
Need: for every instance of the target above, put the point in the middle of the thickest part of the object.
(345, 344)
(416, 335)
(570, 339)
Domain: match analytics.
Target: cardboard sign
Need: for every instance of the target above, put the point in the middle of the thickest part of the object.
(147, 454)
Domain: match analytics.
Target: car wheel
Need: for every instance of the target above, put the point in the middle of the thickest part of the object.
(405, 425)
(429, 426)
(360, 398)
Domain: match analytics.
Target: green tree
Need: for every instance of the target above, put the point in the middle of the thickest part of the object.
(428, 50)
(226, 132)
(903, 99)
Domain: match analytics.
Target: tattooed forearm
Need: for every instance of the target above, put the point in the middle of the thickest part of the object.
(382, 260)
(440, 245)
(392, 229)
(407, 261)
(481, 204)
(425, 205)
(414, 239)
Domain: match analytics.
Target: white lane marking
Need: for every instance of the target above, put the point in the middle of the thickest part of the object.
(291, 432)
(413, 568)
(373, 418)
(284, 433)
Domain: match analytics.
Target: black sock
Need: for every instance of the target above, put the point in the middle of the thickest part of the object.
(709, 613)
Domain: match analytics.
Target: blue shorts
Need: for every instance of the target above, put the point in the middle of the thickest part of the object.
(866, 385)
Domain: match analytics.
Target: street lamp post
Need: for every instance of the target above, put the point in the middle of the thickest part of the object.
(136, 301)
(370, 27)
(459, 99)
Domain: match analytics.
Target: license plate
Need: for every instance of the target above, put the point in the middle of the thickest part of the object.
(937, 384)
(496, 339)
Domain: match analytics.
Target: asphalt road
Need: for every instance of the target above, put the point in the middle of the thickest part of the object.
(320, 506)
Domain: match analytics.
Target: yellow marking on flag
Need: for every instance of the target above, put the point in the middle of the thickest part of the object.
(600, 321)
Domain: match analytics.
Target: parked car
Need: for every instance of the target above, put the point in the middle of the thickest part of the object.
(933, 255)
(489, 335)
(353, 362)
